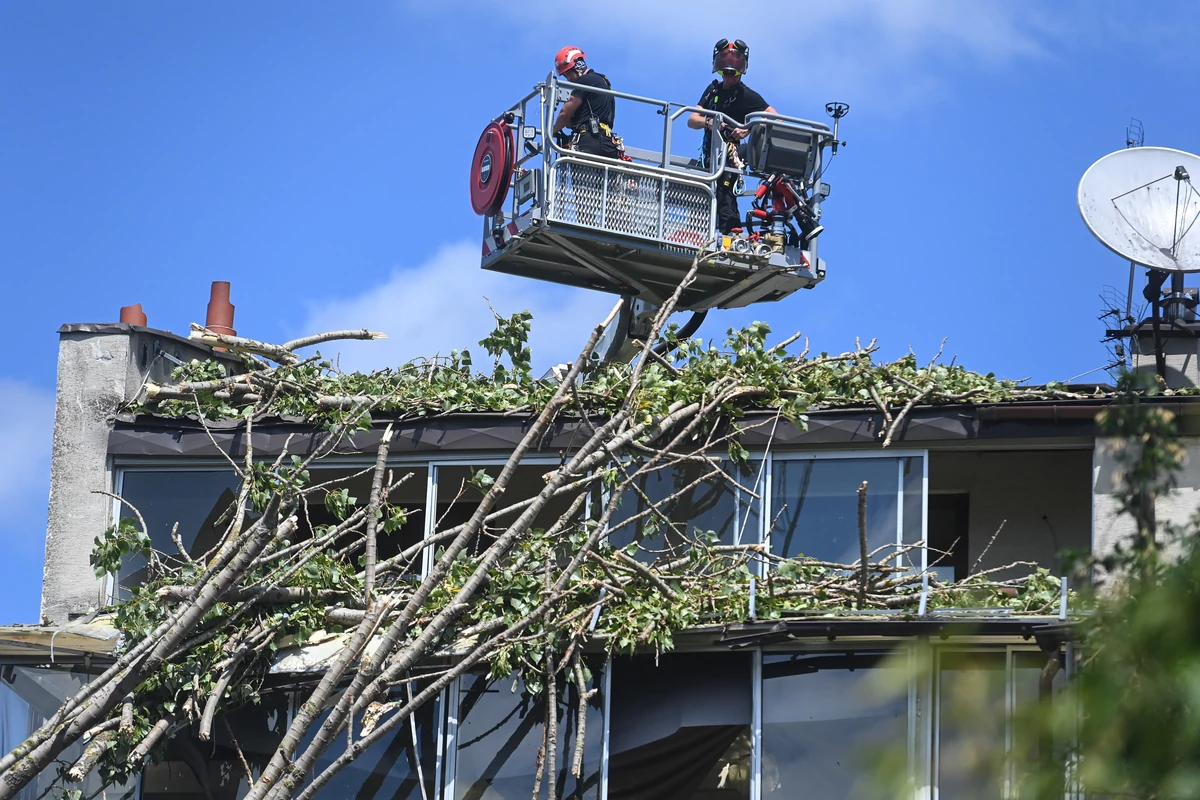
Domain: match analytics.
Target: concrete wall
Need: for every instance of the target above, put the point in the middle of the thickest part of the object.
(1175, 507)
(1043, 497)
(100, 368)
(1181, 357)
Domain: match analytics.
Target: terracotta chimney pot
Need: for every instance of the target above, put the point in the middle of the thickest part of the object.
(133, 315)
(220, 310)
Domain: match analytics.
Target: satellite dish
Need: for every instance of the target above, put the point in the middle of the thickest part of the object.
(1140, 203)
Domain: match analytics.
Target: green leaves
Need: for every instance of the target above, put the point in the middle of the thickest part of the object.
(393, 517)
(111, 547)
(266, 481)
(481, 480)
(767, 378)
(510, 338)
(197, 370)
(339, 502)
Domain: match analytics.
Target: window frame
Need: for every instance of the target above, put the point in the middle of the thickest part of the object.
(933, 760)
(768, 498)
(922, 727)
(763, 486)
(910, 650)
(120, 468)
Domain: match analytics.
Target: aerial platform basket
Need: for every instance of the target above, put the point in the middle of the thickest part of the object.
(634, 227)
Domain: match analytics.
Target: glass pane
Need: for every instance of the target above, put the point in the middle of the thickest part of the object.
(191, 768)
(699, 504)
(201, 501)
(500, 730)
(913, 474)
(815, 505)
(394, 766)
(409, 495)
(459, 492)
(827, 718)
(971, 725)
(28, 696)
(680, 728)
(1030, 745)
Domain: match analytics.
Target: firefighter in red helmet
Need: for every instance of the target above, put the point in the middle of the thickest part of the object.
(729, 96)
(588, 114)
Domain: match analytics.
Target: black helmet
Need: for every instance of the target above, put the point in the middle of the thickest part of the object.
(731, 56)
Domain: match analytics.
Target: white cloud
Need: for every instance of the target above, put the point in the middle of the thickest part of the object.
(439, 306)
(892, 52)
(26, 429)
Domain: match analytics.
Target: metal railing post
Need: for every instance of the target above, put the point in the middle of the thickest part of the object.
(666, 153)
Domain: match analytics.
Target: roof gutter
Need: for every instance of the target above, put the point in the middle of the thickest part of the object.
(1057, 412)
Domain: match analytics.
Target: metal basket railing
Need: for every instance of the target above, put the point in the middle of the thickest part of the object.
(657, 197)
(624, 199)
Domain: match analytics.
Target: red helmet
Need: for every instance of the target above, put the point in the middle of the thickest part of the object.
(569, 58)
(731, 56)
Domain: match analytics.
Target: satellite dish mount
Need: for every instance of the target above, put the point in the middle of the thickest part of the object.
(1141, 204)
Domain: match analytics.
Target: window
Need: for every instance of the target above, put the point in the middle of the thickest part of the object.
(501, 729)
(949, 526)
(825, 717)
(971, 719)
(814, 507)
(681, 727)
(202, 502)
(28, 697)
(395, 766)
(981, 752)
(213, 770)
(409, 495)
(461, 487)
(699, 503)
(1029, 743)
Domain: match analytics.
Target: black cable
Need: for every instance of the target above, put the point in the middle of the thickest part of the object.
(689, 327)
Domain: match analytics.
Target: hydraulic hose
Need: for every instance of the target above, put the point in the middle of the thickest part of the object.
(689, 327)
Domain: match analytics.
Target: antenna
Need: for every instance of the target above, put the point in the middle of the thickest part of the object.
(1141, 204)
(1112, 300)
(837, 110)
(1135, 135)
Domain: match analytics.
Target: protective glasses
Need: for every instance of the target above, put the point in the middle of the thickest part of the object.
(738, 43)
(730, 59)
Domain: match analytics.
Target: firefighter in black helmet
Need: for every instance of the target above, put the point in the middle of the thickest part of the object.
(729, 96)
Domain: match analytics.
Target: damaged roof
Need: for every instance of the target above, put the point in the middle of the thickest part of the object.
(151, 436)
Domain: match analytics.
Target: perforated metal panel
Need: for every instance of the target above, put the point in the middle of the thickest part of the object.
(630, 202)
(688, 215)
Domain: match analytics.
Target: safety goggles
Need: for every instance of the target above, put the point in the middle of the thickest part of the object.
(738, 43)
(730, 59)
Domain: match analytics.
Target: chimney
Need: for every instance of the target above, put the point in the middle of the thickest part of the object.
(133, 315)
(101, 368)
(220, 310)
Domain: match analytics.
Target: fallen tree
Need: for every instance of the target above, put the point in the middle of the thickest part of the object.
(509, 589)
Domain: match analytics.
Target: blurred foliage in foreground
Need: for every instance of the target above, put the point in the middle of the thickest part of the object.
(1125, 725)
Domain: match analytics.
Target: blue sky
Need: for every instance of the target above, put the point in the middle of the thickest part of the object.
(316, 155)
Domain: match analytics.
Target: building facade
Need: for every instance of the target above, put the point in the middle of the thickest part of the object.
(800, 706)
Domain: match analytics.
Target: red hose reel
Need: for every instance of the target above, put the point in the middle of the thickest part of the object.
(492, 168)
